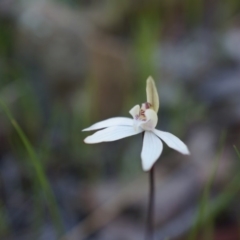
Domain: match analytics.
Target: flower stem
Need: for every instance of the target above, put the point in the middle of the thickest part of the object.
(150, 213)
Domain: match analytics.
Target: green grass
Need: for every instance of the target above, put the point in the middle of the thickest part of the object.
(209, 210)
(204, 202)
(5, 228)
(41, 183)
(237, 152)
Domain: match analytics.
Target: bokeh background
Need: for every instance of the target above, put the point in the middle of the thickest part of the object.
(65, 65)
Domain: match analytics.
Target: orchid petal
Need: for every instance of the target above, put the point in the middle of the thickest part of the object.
(135, 111)
(151, 150)
(122, 121)
(172, 141)
(112, 134)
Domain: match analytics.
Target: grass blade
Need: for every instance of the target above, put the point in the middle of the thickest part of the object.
(205, 197)
(40, 175)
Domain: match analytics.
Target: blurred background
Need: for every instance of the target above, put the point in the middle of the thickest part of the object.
(65, 65)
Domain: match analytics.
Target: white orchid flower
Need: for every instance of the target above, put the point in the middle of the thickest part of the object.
(144, 120)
